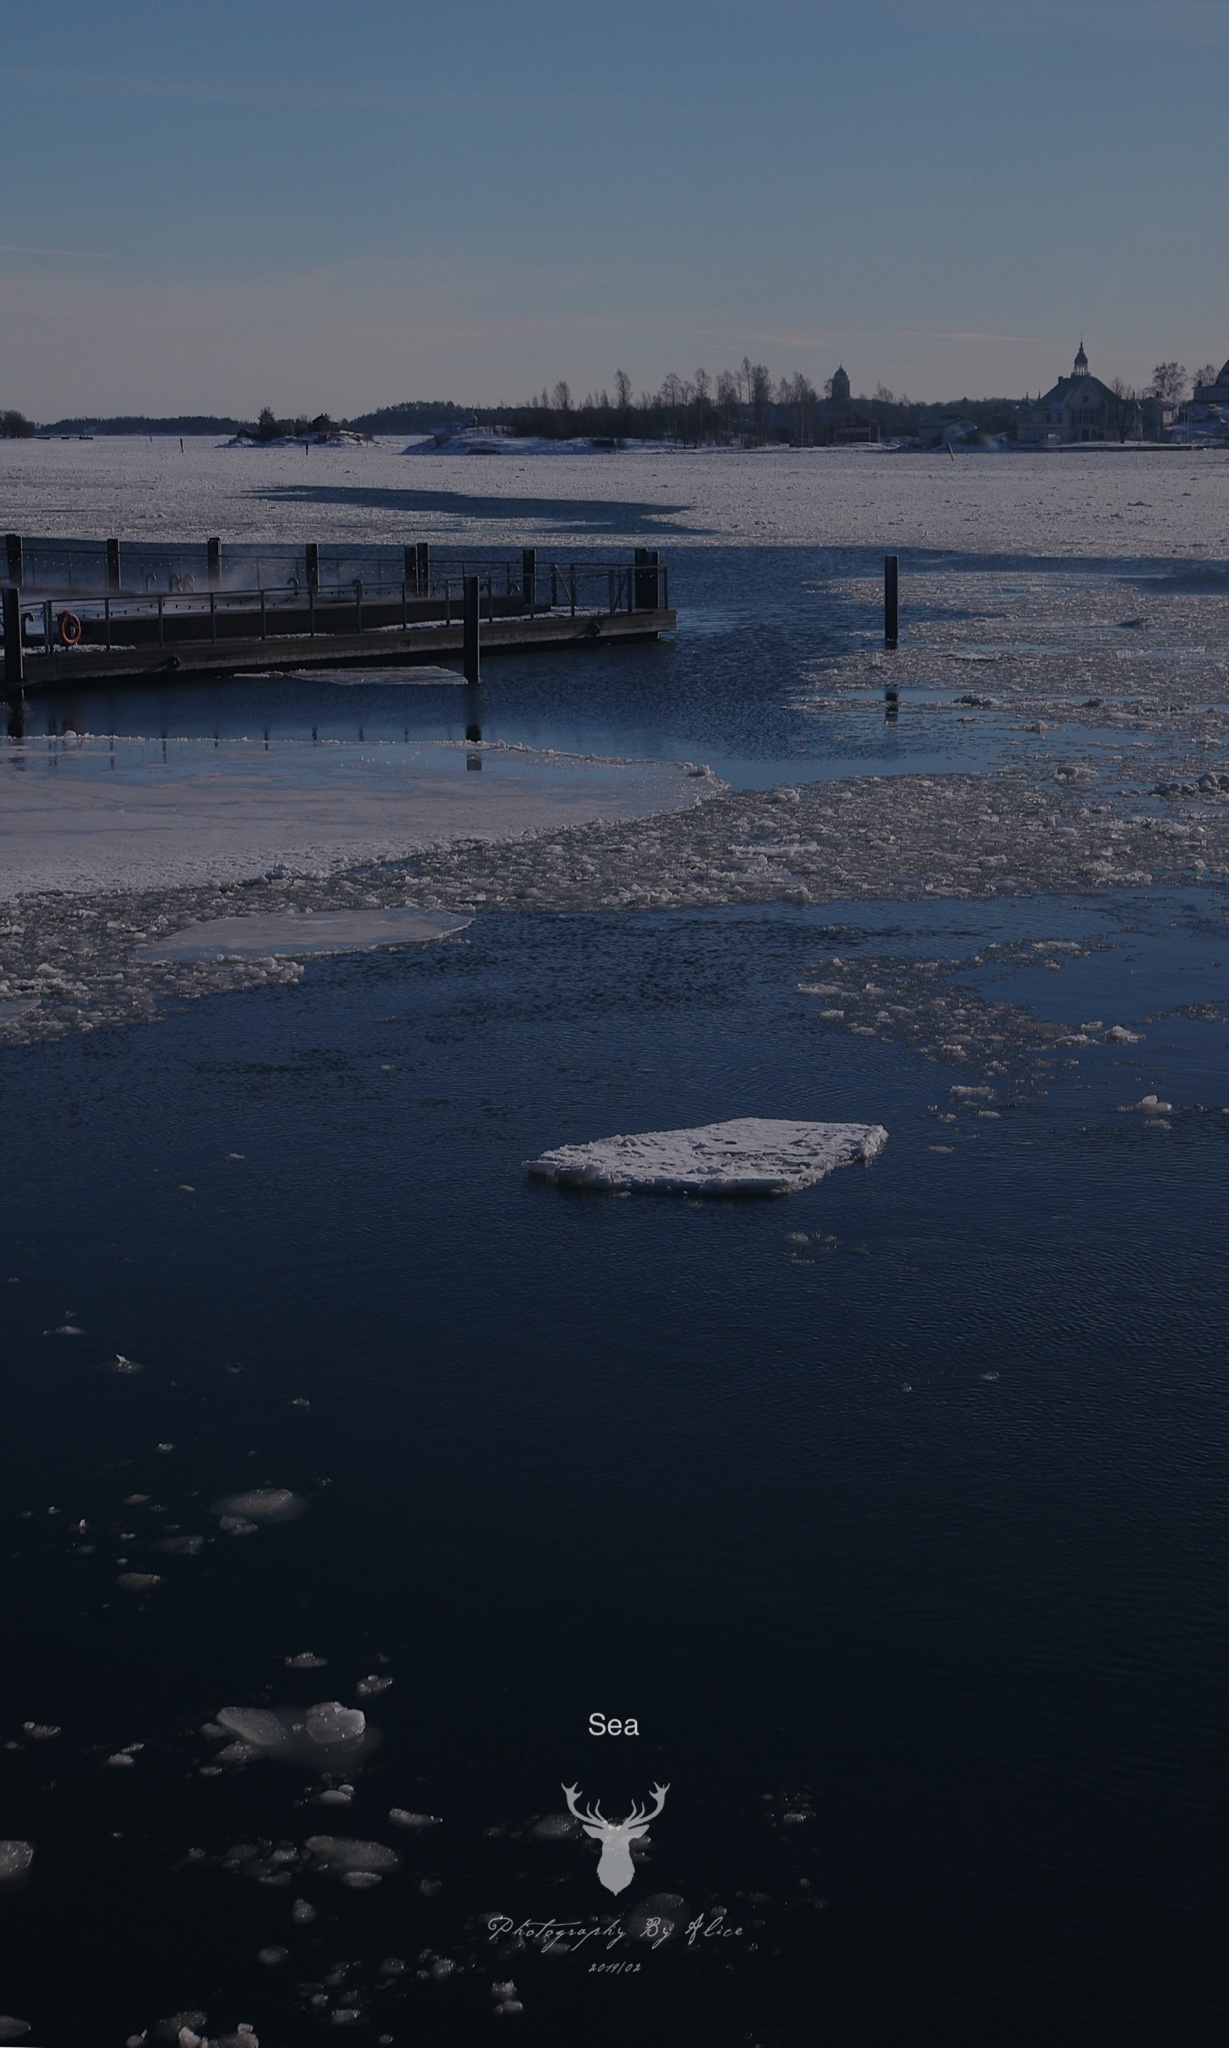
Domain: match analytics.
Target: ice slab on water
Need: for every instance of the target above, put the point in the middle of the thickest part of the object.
(748, 1155)
(261, 1504)
(287, 933)
(320, 1735)
(343, 1855)
(15, 1861)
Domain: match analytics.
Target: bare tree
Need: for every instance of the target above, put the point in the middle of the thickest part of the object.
(1124, 412)
(1207, 375)
(761, 399)
(623, 391)
(1169, 383)
(883, 396)
(703, 387)
(563, 397)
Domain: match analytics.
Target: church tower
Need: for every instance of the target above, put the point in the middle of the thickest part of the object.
(840, 386)
(1081, 362)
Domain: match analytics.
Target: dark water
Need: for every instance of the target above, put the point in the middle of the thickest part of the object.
(762, 629)
(913, 1531)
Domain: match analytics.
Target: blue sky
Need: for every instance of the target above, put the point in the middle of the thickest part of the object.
(341, 206)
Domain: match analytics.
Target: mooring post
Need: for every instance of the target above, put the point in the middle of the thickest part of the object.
(529, 578)
(646, 579)
(113, 564)
(213, 560)
(422, 556)
(12, 548)
(313, 565)
(891, 599)
(471, 630)
(14, 659)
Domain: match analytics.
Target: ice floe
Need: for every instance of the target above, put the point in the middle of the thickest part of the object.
(263, 1505)
(747, 1155)
(15, 1861)
(343, 1856)
(288, 934)
(322, 1735)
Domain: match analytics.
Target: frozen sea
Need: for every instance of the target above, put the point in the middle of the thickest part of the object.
(892, 1512)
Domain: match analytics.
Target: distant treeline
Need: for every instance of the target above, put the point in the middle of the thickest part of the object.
(743, 407)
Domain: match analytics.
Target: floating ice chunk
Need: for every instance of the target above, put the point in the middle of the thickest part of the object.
(1150, 1105)
(342, 1855)
(321, 1735)
(15, 1861)
(985, 1094)
(402, 1819)
(332, 1723)
(262, 1505)
(138, 1582)
(306, 1661)
(11, 2028)
(555, 1827)
(1121, 1036)
(748, 1155)
(257, 1727)
(271, 1957)
(282, 934)
(39, 1731)
(124, 1365)
(181, 1546)
(372, 1684)
(302, 1912)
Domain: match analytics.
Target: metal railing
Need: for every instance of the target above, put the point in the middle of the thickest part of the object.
(111, 620)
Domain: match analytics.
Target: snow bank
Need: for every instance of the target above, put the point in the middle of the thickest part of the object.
(750, 1155)
(294, 935)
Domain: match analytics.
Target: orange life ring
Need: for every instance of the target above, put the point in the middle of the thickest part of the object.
(68, 627)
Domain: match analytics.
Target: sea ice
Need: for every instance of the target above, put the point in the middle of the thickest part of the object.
(320, 1735)
(342, 1855)
(747, 1155)
(284, 934)
(402, 1819)
(264, 1504)
(15, 1861)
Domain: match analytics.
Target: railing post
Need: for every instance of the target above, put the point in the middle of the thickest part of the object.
(14, 654)
(554, 585)
(610, 590)
(405, 588)
(490, 600)
(162, 622)
(471, 637)
(358, 605)
(311, 611)
(13, 551)
(447, 602)
(572, 587)
(891, 599)
(106, 616)
(213, 562)
(264, 620)
(529, 578)
(410, 573)
(113, 564)
(422, 558)
(213, 617)
(312, 552)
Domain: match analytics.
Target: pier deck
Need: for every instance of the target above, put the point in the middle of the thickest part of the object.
(73, 620)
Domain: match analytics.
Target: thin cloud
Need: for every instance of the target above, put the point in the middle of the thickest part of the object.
(27, 249)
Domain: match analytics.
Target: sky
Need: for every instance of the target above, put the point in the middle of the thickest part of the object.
(324, 207)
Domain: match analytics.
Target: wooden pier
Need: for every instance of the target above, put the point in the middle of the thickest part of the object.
(93, 613)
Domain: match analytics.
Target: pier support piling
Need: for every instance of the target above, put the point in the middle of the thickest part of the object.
(471, 631)
(14, 660)
(891, 599)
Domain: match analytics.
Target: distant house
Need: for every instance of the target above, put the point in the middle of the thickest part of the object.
(1204, 421)
(839, 425)
(1078, 408)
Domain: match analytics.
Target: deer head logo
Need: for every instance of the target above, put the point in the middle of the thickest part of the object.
(615, 1836)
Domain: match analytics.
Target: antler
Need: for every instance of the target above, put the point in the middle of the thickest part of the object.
(641, 1813)
(594, 1813)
